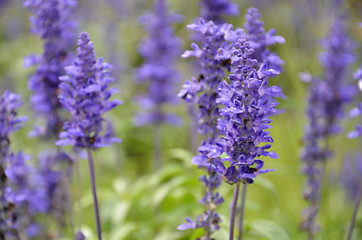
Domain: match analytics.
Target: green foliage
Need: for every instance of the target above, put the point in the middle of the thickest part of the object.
(268, 230)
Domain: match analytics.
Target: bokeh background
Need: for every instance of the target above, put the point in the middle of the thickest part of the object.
(140, 202)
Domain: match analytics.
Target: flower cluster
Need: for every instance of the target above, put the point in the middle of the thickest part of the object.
(260, 40)
(203, 92)
(210, 220)
(214, 60)
(86, 97)
(9, 123)
(212, 10)
(248, 103)
(51, 21)
(159, 49)
(27, 192)
(357, 110)
(327, 97)
(313, 153)
(336, 58)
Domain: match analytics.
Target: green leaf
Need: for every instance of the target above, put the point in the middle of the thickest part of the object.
(269, 229)
(181, 154)
(167, 172)
(121, 210)
(163, 191)
(123, 231)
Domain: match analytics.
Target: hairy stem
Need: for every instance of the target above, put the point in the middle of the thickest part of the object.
(233, 211)
(94, 194)
(243, 194)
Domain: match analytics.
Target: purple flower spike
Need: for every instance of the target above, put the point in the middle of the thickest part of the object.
(260, 40)
(214, 60)
(9, 122)
(85, 95)
(159, 50)
(27, 192)
(326, 101)
(213, 10)
(248, 103)
(357, 110)
(51, 21)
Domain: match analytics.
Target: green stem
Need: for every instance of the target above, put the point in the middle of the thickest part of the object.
(243, 195)
(355, 211)
(94, 194)
(233, 211)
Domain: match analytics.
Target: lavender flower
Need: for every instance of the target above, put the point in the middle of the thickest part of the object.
(9, 122)
(214, 60)
(27, 192)
(51, 21)
(336, 58)
(203, 93)
(357, 110)
(210, 220)
(86, 97)
(79, 236)
(248, 103)
(159, 49)
(326, 100)
(260, 40)
(313, 154)
(212, 10)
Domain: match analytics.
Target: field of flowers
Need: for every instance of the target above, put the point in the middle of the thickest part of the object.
(176, 119)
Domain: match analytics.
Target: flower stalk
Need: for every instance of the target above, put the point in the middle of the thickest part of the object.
(241, 217)
(94, 194)
(233, 211)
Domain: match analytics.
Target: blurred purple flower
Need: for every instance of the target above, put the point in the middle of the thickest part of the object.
(261, 40)
(79, 236)
(213, 10)
(351, 175)
(27, 192)
(85, 95)
(54, 183)
(357, 110)
(51, 21)
(326, 101)
(9, 122)
(159, 49)
(3, 4)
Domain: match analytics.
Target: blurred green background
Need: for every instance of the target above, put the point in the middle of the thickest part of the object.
(137, 202)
